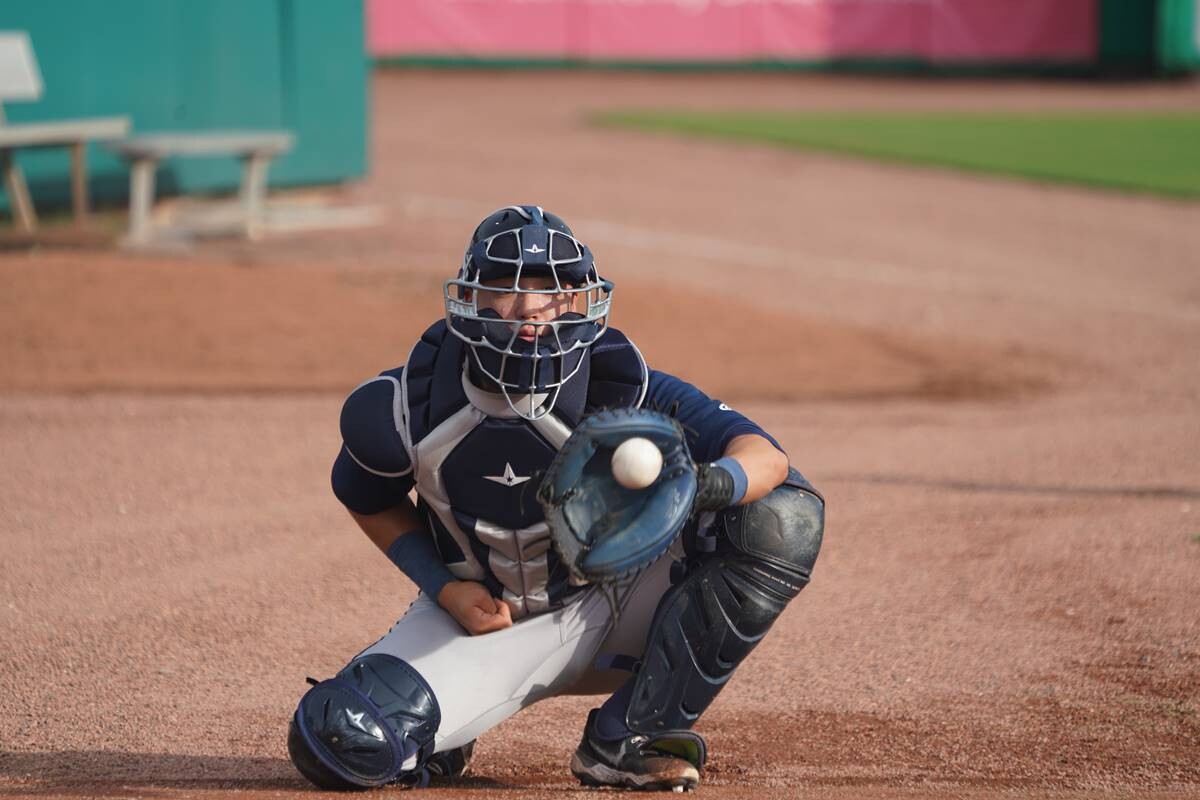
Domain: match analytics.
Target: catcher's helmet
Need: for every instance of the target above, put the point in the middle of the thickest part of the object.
(510, 244)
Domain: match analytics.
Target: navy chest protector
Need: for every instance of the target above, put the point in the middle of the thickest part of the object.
(489, 477)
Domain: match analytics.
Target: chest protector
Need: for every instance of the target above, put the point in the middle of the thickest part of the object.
(477, 464)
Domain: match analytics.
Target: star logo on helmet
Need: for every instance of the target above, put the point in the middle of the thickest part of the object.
(357, 721)
(509, 478)
(533, 248)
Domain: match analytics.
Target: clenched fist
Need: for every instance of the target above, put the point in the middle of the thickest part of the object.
(473, 606)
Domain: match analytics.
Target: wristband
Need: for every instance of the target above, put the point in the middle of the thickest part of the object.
(415, 555)
(740, 481)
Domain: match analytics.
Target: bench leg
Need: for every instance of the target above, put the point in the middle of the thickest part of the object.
(254, 193)
(141, 199)
(18, 192)
(79, 187)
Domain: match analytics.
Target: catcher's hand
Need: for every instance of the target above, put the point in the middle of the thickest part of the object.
(602, 530)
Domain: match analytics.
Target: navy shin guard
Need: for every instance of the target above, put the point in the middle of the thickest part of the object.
(710, 620)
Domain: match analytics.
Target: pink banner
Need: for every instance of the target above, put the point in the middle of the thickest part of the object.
(1014, 30)
(736, 30)
(831, 29)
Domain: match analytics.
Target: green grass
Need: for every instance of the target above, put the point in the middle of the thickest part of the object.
(1143, 152)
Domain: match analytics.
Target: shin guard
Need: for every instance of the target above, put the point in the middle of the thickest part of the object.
(762, 556)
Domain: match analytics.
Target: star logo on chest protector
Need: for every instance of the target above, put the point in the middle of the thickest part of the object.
(509, 478)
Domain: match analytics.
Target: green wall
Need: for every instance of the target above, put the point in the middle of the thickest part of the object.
(1127, 35)
(1148, 36)
(1176, 35)
(185, 65)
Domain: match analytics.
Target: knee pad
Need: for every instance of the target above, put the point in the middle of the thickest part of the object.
(781, 532)
(372, 723)
(708, 623)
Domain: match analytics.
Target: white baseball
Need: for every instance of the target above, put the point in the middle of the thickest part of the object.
(636, 463)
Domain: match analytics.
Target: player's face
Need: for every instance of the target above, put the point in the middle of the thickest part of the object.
(525, 306)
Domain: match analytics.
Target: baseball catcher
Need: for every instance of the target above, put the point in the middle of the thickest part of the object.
(583, 525)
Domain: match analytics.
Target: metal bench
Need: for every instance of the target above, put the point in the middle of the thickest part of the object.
(254, 148)
(21, 80)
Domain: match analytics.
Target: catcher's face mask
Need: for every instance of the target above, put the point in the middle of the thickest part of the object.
(528, 302)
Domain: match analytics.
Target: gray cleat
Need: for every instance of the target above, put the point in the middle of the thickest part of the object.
(664, 761)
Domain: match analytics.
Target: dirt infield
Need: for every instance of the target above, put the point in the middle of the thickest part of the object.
(997, 386)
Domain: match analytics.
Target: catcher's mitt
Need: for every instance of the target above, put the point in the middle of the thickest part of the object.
(602, 530)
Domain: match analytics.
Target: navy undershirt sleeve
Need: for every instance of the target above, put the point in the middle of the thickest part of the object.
(709, 424)
(365, 492)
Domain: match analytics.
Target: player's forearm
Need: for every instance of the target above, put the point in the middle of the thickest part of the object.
(385, 527)
(399, 534)
(764, 465)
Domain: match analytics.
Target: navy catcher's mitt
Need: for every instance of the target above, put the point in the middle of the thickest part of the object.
(602, 530)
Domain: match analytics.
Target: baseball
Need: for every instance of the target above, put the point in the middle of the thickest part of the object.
(636, 463)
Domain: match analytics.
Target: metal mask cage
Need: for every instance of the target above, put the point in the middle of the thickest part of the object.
(559, 336)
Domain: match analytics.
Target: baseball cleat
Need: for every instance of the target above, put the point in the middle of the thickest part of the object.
(650, 763)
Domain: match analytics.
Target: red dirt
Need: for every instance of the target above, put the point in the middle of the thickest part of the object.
(216, 327)
(996, 384)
